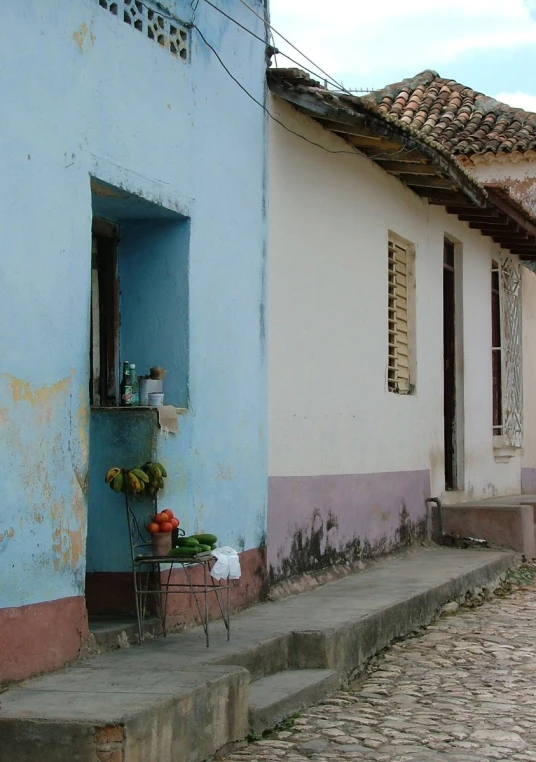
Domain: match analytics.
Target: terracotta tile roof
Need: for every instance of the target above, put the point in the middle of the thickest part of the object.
(462, 120)
(403, 148)
(337, 111)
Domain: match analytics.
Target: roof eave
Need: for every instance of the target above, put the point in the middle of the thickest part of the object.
(423, 166)
(365, 130)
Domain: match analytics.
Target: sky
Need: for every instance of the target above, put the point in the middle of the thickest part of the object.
(488, 45)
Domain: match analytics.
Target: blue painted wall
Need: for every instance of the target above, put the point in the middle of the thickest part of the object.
(85, 95)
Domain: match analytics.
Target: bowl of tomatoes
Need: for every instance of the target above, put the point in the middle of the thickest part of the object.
(160, 527)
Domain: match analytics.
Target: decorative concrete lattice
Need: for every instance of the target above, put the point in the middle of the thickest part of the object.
(512, 362)
(169, 34)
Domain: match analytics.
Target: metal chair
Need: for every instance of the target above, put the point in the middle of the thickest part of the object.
(151, 579)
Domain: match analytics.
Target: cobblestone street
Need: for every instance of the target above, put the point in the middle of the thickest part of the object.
(464, 691)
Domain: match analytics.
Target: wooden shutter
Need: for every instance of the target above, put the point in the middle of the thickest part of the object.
(399, 350)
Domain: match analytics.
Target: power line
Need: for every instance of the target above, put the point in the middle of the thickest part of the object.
(263, 40)
(332, 81)
(189, 24)
(278, 121)
(339, 84)
(176, 19)
(194, 4)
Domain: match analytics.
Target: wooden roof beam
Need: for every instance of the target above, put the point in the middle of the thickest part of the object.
(473, 214)
(491, 229)
(380, 143)
(438, 181)
(521, 245)
(408, 167)
(510, 212)
(345, 128)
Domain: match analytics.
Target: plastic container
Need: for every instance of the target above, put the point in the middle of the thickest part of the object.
(161, 543)
(147, 386)
(156, 399)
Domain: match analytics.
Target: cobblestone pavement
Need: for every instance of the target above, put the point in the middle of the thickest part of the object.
(465, 691)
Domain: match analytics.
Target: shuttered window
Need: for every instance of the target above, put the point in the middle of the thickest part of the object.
(399, 316)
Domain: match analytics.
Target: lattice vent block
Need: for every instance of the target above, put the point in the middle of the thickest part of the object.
(171, 35)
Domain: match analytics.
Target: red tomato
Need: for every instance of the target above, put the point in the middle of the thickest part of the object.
(166, 526)
(160, 518)
(169, 513)
(175, 522)
(153, 527)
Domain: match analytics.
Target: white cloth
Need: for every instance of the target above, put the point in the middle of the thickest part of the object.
(227, 564)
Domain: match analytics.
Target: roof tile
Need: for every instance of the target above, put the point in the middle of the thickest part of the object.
(462, 120)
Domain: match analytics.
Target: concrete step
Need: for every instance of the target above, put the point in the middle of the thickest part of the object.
(108, 633)
(506, 522)
(277, 696)
(175, 700)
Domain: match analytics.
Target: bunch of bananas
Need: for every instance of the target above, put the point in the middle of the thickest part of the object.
(116, 479)
(156, 473)
(147, 478)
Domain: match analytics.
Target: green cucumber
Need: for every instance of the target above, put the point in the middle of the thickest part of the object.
(184, 552)
(187, 542)
(206, 539)
(203, 548)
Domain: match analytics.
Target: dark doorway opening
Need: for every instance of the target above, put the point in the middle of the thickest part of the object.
(449, 365)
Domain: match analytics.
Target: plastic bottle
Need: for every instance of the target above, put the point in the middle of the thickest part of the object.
(126, 386)
(135, 386)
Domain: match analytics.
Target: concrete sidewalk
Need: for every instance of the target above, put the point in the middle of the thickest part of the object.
(174, 700)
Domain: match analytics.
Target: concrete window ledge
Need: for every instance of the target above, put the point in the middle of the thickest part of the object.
(134, 409)
(503, 452)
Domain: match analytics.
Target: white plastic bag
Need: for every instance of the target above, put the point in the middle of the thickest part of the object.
(227, 564)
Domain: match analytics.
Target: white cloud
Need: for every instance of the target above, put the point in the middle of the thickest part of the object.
(518, 100)
(358, 37)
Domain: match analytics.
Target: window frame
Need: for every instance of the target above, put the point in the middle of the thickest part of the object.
(104, 317)
(401, 366)
(496, 350)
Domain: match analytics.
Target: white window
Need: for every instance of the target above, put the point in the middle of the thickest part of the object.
(507, 371)
(401, 290)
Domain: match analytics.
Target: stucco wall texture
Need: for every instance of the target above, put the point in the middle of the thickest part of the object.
(332, 420)
(90, 96)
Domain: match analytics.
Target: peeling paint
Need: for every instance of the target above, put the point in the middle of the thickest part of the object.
(7, 535)
(23, 391)
(45, 501)
(225, 473)
(83, 38)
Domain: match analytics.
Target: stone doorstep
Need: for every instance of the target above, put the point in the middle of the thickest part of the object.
(506, 522)
(108, 633)
(277, 696)
(152, 714)
(177, 700)
(505, 501)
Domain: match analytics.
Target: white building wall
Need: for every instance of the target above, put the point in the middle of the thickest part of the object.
(529, 381)
(518, 176)
(331, 418)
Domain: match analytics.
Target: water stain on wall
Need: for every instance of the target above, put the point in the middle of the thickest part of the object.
(313, 548)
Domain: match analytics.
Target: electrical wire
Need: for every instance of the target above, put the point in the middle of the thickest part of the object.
(256, 36)
(176, 19)
(260, 39)
(192, 25)
(193, 6)
(189, 24)
(339, 85)
(327, 77)
(278, 121)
